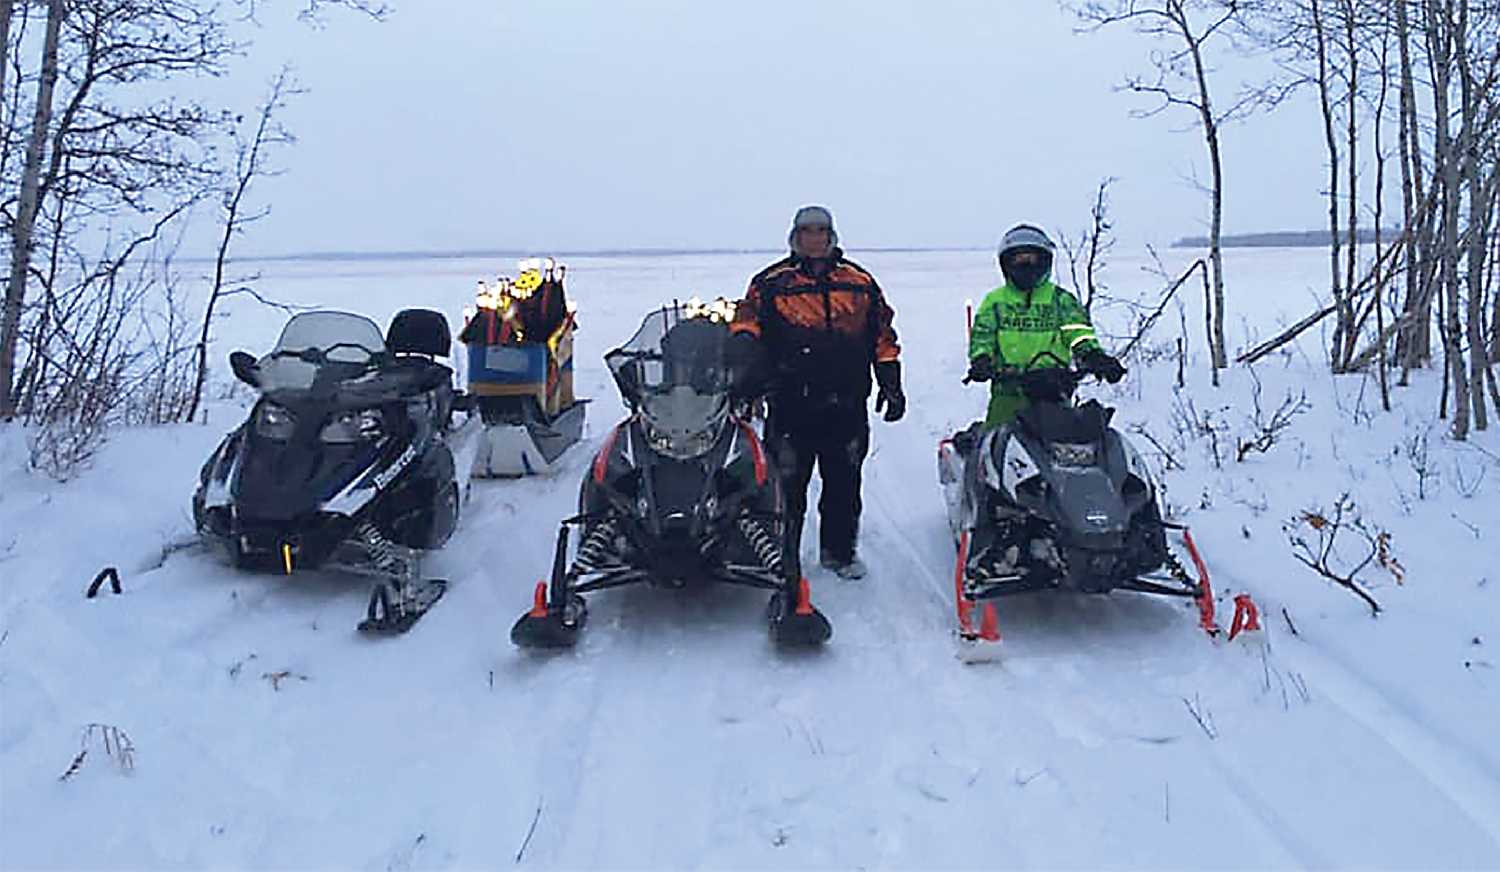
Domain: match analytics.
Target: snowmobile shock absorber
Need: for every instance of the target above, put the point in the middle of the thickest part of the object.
(384, 553)
(593, 551)
(765, 545)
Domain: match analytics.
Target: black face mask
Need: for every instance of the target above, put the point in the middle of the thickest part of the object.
(1026, 276)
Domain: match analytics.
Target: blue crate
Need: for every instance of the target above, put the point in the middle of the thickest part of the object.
(508, 364)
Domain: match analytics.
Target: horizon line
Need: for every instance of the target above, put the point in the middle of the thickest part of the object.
(464, 254)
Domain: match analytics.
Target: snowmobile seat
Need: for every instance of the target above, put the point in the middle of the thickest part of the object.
(1051, 422)
(419, 331)
(415, 338)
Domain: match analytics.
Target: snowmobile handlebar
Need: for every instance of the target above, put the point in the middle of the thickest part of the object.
(1045, 375)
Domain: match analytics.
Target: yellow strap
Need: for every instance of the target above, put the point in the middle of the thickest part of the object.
(1082, 338)
(1077, 327)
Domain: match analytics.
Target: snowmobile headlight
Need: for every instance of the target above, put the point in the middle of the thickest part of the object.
(680, 445)
(1065, 454)
(274, 422)
(354, 426)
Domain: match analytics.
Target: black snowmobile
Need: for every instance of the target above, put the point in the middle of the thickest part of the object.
(1057, 499)
(682, 492)
(347, 459)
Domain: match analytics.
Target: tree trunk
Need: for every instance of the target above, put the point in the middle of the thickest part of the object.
(1478, 358)
(1351, 49)
(1446, 156)
(6, 8)
(1217, 353)
(22, 237)
(1473, 108)
(1380, 339)
(1325, 103)
(1495, 291)
(1414, 343)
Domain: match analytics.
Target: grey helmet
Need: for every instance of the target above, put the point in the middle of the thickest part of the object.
(1026, 237)
(812, 216)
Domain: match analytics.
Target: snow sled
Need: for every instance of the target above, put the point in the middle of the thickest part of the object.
(1058, 499)
(681, 494)
(349, 461)
(523, 388)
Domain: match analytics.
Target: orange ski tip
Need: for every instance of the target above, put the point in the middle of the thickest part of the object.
(804, 597)
(539, 601)
(989, 624)
(1246, 616)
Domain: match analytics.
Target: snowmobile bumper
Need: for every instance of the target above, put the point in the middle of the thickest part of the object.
(285, 547)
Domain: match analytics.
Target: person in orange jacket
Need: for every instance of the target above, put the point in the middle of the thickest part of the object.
(823, 327)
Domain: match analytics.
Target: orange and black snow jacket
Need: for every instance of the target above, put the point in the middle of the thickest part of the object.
(821, 333)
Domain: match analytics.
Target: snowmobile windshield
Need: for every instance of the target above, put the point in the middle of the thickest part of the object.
(321, 347)
(675, 371)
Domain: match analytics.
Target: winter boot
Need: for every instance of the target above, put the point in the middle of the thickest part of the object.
(851, 568)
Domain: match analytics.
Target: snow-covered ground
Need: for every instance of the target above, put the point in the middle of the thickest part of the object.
(1112, 732)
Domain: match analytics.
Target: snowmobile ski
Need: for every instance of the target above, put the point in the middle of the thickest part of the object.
(393, 608)
(794, 620)
(546, 626)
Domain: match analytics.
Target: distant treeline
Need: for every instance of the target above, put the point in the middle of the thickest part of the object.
(1282, 239)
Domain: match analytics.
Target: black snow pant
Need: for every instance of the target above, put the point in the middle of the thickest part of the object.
(835, 440)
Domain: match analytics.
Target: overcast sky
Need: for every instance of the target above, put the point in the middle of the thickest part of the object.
(605, 124)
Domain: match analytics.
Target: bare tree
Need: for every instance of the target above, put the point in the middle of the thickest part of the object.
(1468, 167)
(91, 333)
(1092, 247)
(108, 152)
(1442, 29)
(1379, 302)
(249, 165)
(22, 238)
(1414, 344)
(1181, 80)
(7, 10)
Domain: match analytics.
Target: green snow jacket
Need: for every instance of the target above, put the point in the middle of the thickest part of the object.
(1012, 326)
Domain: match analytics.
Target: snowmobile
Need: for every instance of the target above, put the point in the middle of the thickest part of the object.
(349, 460)
(520, 371)
(1057, 499)
(682, 492)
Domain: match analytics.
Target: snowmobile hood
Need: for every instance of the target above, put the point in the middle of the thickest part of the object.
(284, 480)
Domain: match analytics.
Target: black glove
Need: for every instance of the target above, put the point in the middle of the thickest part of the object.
(751, 372)
(1096, 362)
(981, 369)
(891, 397)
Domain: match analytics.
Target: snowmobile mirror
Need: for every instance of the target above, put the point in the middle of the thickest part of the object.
(245, 368)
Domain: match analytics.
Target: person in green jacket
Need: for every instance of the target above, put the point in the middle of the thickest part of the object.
(1026, 316)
